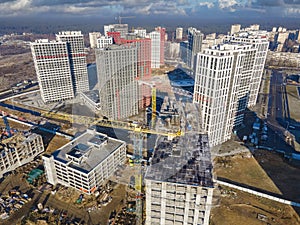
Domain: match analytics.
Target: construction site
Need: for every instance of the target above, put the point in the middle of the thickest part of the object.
(168, 134)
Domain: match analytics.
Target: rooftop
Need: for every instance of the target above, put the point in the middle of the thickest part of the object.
(87, 151)
(185, 159)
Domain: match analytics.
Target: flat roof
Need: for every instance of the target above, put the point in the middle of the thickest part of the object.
(94, 153)
(185, 159)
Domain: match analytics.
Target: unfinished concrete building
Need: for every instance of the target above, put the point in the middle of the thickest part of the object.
(179, 185)
(19, 150)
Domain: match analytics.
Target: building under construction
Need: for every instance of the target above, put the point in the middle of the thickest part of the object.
(178, 183)
(19, 150)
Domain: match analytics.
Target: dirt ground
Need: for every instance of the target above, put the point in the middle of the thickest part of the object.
(56, 143)
(265, 170)
(239, 208)
(15, 68)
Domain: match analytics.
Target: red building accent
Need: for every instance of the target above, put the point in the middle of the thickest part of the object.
(116, 37)
(162, 44)
(143, 67)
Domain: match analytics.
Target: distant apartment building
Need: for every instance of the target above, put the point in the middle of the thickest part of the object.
(104, 41)
(155, 37)
(179, 33)
(172, 50)
(86, 162)
(178, 183)
(235, 28)
(183, 50)
(77, 56)
(223, 87)
(19, 150)
(259, 41)
(163, 39)
(93, 39)
(121, 28)
(140, 32)
(195, 38)
(52, 66)
(117, 74)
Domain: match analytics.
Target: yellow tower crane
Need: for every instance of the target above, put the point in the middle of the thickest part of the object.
(153, 100)
(138, 134)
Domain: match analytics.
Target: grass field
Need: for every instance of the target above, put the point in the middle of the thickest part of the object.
(267, 171)
(246, 171)
(294, 102)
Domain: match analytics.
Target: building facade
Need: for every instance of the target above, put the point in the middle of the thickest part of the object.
(235, 28)
(155, 48)
(222, 88)
(52, 66)
(121, 28)
(163, 38)
(195, 38)
(179, 33)
(86, 162)
(104, 41)
(117, 78)
(259, 41)
(93, 39)
(19, 150)
(77, 55)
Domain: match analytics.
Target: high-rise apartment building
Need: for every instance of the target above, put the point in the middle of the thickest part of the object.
(77, 56)
(155, 37)
(179, 33)
(93, 38)
(183, 51)
(222, 87)
(140, 32)
(104, 41)
(259, 41)
(195, 38)
(52, 66)
(235, 28)
(117, 73)
(122, 28)
(163, 38)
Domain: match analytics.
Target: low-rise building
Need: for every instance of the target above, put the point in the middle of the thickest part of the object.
(19, 150)
(85, 162)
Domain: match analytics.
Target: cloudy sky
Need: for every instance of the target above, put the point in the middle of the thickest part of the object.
(108, 8)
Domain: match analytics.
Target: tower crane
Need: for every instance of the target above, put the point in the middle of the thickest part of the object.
(153, 100)
(138, 134)
(119, 18)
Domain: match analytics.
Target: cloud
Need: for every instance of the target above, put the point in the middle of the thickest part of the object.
(89, 7)
(228, 5)
(207, 4)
